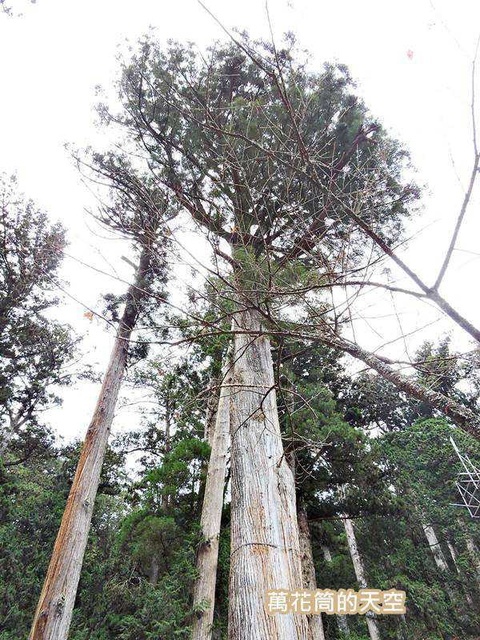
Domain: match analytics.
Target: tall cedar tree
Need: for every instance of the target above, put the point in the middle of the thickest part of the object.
(216, 133)
(140, 211)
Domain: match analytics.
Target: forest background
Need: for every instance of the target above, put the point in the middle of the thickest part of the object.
(415, 76)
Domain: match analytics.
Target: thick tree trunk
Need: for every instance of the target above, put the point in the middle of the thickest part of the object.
(357, 562)
(308, 571)
(55, 606)
(265, 552)
(342, 621)
(207, 558)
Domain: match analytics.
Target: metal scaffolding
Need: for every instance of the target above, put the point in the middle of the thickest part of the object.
(468, 483)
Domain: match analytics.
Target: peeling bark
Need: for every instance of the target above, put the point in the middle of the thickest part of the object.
(207, 557)
(265, 552)
(55, 606)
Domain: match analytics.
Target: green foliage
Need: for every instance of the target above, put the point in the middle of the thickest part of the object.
(220, 139)
(229, 135)
(34, 349)
(32, 498)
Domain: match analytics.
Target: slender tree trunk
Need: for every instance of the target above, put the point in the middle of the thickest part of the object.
(473, 551)
(438, 555)
(8, 435)
(211, 409)
(55, 606)
(342, 621)
(458, 413)
(265, 552)
(154, 571)
(308, 571)
(471, 548)
(453, 555)
(357, 561)
(435, 547)
(207, 558)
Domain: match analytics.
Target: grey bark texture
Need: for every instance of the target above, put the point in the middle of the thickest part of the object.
(435, 547)
(308, 570)
(55, 606)
(357, 562)
(207, 555)
(265, 551)
(439, 556)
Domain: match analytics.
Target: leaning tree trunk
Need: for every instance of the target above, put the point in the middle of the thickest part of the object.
(207, 557)
(461, 415)
(55, 606)
(357, 562)
(342, 621)
(265, 552)
(308, 571)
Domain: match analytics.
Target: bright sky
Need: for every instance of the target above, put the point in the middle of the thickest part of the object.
(411, 59)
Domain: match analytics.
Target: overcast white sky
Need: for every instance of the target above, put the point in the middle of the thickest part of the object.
(411, 59)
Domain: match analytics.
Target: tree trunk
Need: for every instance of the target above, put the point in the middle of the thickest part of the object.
(438, 555)
(342, 621)
(473, 551)
(462, 416)
(357, 561)
(308, 571)
(265, 552)
(435, 547)
(55, 606)
(211, 409)
(207, 558)
(453, 555)
(402, 628)
(471, 547)
(154, 571)
(7, 436)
